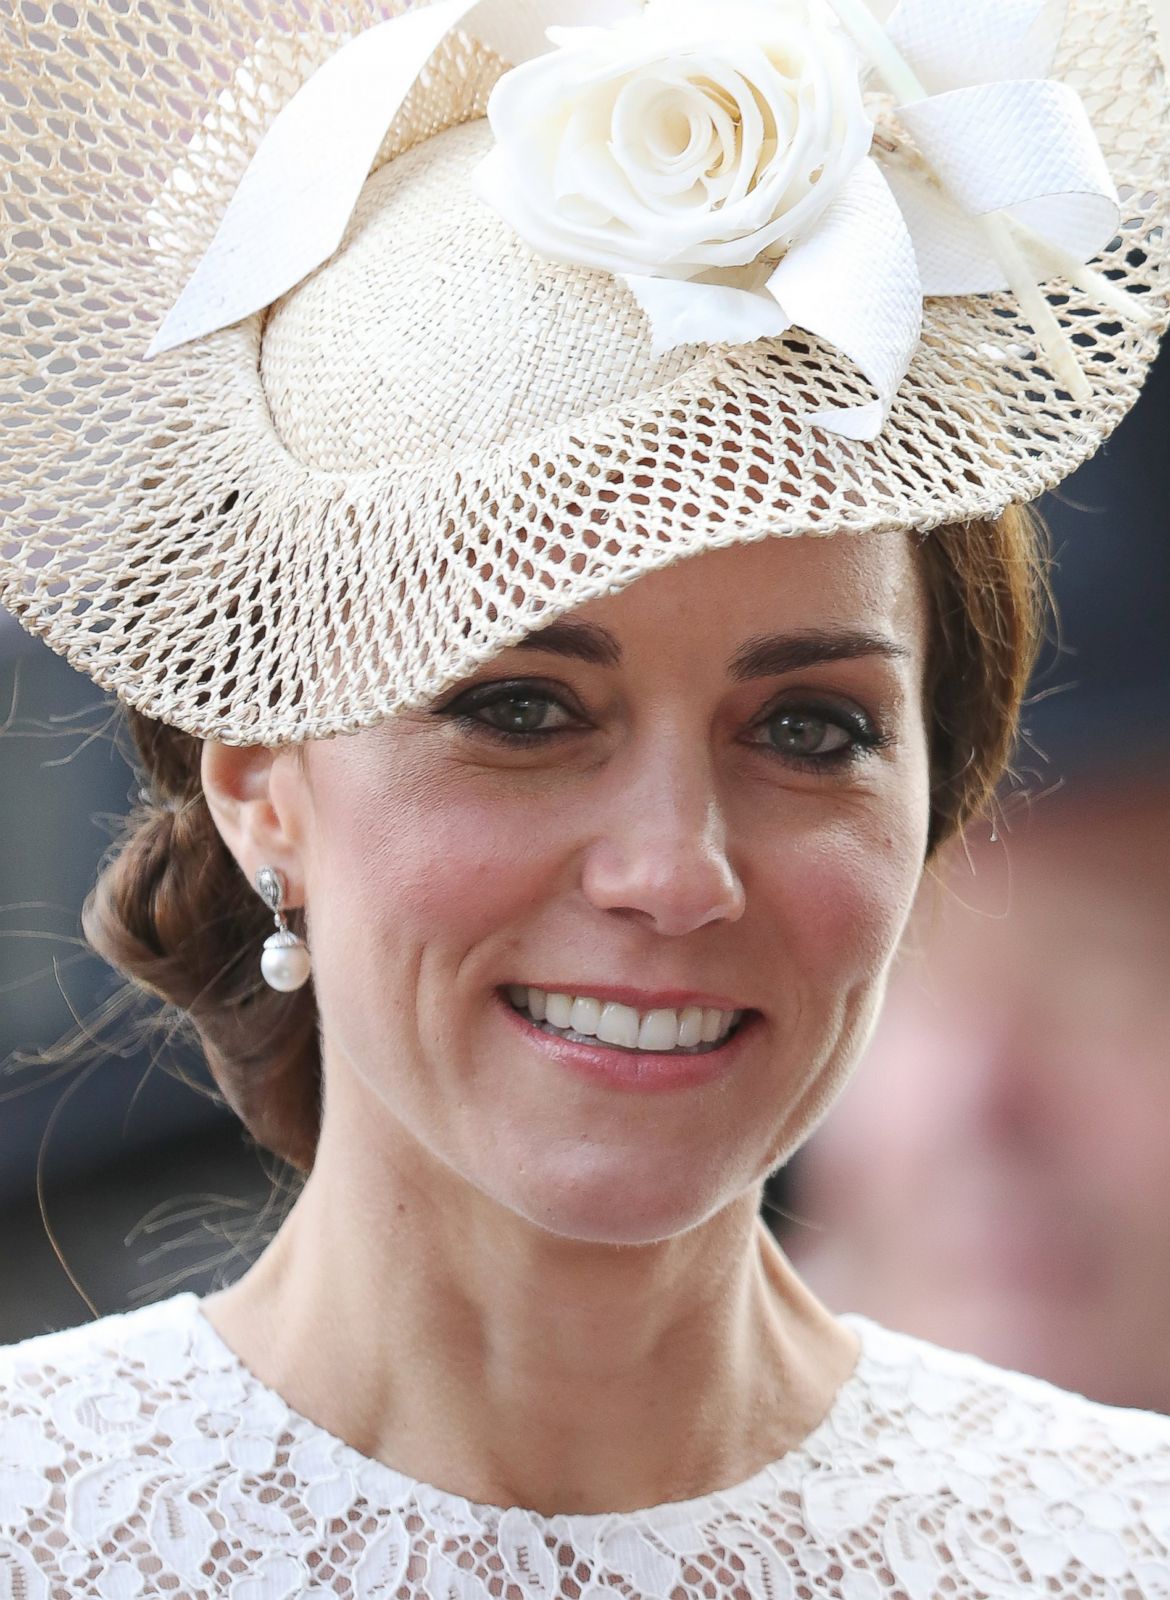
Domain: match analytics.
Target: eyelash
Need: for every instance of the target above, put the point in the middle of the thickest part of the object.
(866, 738)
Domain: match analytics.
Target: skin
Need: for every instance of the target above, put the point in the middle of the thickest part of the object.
(996, 1179)
(501, 1276)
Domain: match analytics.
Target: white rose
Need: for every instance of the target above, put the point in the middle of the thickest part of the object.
(696, 135)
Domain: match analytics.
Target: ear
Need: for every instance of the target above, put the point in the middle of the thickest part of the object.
(251, 792)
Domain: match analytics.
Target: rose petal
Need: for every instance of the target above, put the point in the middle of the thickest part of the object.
(659, 186)
(777, 87)
(741, 139)
(589, 244)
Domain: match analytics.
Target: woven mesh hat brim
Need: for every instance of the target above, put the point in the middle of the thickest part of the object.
(439, 442)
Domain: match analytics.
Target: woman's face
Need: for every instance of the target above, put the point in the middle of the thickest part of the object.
(709, 791)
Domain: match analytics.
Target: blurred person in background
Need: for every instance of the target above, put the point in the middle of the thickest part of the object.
(998, 1178)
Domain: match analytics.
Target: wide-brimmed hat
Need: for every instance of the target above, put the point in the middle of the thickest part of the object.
(422, 379)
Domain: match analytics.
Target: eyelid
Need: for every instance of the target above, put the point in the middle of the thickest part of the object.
(478, 694)
(467, 704)
(824, 703)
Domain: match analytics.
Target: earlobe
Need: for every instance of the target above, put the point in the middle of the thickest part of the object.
(237, 783)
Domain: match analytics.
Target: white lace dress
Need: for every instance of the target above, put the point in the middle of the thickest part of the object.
(138, 1456)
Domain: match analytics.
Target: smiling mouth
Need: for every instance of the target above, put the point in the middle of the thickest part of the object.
(582, 1019)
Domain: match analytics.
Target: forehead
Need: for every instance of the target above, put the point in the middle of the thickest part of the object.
(858, 583)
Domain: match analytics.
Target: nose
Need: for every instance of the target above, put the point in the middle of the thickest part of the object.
(660, 848)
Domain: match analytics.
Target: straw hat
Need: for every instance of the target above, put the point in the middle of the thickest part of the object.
(438, 425)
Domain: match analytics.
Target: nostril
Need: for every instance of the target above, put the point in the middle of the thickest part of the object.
(670, 887)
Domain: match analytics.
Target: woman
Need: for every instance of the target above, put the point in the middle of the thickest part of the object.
(599, 890)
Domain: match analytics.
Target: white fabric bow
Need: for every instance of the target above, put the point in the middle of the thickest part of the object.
(1012, 156)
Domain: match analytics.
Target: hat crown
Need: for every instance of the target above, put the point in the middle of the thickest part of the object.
(365, 364)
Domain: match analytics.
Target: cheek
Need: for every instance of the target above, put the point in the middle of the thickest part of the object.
(421, 858)
(848, 896)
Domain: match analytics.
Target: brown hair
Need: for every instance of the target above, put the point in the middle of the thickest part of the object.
(172, 911)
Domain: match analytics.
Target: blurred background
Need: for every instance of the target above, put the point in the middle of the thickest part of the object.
(996, 1178)
(111, 1169)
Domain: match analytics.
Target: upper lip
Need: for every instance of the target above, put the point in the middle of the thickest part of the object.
(638, 999)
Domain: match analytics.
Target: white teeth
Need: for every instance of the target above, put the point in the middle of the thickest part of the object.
(558, 1009)
(619, 1025)
(530, 1000)
(659, 1031)
(713, 1025)
(663, 1029)
(585, 1015)
(690, 1025)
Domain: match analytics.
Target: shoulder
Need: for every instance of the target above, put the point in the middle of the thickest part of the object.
(83, 1395)
(1019, 1476)
(102, 1423)
(1009, 1414)
(47, 1375)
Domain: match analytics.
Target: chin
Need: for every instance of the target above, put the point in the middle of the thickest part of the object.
(609, 1207)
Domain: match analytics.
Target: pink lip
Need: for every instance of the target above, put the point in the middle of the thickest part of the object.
(640, 999)
(626, 1069)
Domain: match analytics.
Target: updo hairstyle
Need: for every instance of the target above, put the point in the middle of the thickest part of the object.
(172, 911)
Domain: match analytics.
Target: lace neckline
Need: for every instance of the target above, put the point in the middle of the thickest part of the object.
(384, 1483)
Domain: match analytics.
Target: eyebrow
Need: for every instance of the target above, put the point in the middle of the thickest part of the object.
(582, 641)
(768, 656)
(788, 652)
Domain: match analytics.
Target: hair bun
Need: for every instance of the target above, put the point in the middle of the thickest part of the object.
(173, 913)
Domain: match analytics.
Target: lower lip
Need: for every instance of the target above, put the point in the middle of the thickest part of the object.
(642, 1071)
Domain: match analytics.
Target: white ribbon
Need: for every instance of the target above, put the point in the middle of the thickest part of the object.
(949, 48)
(854, 283)
(294, 201)
(956, 45)
(1023, 148)
(1004, 142)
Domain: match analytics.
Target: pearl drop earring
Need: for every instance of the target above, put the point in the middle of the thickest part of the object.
(285, 962)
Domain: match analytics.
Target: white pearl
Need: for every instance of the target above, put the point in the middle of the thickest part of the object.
(285, 967)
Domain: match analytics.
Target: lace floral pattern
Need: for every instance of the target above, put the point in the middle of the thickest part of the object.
(139, 1457)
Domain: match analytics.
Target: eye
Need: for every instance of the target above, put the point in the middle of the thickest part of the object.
(819, 737)
(799, 733)
(515, 712)
(520, 713)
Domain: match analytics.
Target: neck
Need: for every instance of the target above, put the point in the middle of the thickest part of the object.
(414, 1318)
